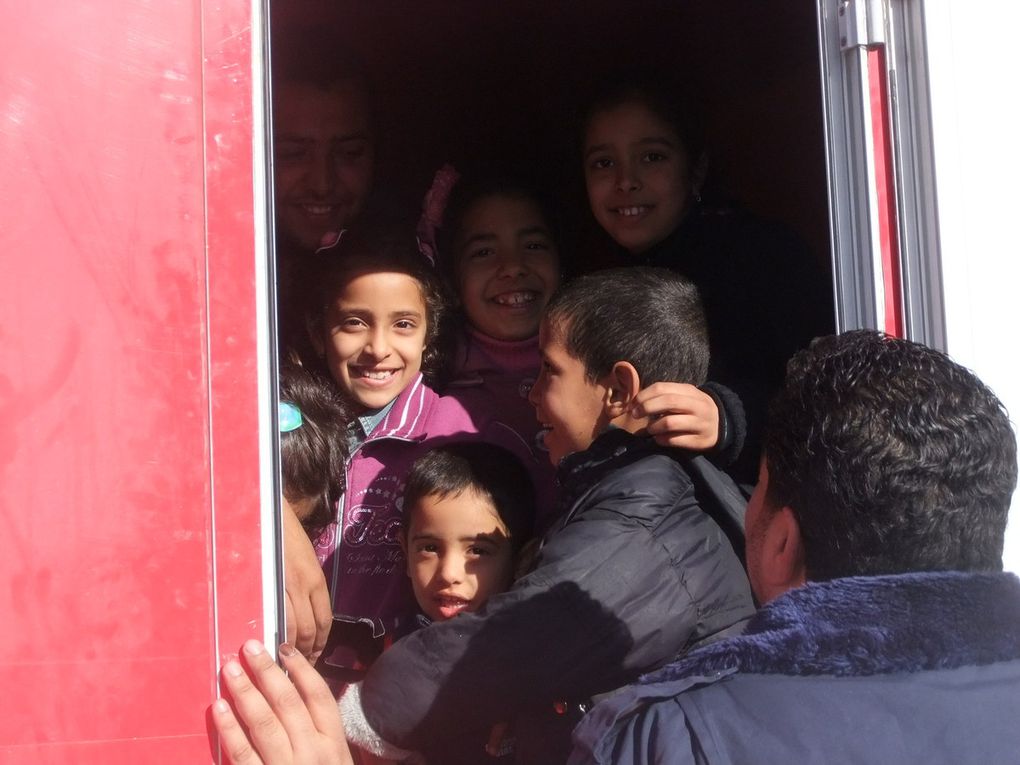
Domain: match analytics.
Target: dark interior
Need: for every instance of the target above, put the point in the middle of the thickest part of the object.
(470, 80)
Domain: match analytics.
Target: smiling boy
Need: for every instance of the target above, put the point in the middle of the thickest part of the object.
(632, 573)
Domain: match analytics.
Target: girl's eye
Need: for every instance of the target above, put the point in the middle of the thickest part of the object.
(405, 324)
(477, 550)
(602, 163)
(427, 548)
(482, 252)
(352, 322)
(537, 244)
(654, 156)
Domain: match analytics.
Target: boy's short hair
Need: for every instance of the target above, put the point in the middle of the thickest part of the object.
(892, 457)
(312, 456)
(485, 468)
(650, 317)
(368, 249)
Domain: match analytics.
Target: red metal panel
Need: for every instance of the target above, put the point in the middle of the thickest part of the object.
(127, 379)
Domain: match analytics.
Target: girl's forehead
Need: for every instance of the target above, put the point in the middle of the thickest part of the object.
(372, 286)
(633, 119)
(500, 206)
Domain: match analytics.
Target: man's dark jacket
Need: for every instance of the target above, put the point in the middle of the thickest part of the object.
(915, 668)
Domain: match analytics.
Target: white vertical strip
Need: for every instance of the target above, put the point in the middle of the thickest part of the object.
(268, 516)
(974, 68)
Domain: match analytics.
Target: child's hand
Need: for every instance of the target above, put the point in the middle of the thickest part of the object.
(271, 720)
(309, 612)
(680, 415)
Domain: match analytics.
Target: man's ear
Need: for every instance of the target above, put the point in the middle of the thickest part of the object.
(782, 554)
(622, 384)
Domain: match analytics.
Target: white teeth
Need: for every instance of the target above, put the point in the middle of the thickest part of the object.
(318, 209)
(629, 212)
(381, 374)
(515, 298)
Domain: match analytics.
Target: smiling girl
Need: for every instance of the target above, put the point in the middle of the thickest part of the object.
(379, 312)
(645, 166)
(502, 259)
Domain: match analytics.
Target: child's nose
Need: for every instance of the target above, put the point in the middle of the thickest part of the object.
(512, 263)
(533, 391)
(627, 177)
(451, 569)
(378, 345)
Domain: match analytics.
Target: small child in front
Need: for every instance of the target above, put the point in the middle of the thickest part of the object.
(468, 511)
(634, 570)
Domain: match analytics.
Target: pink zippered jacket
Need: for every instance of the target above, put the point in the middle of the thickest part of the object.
(360, 551)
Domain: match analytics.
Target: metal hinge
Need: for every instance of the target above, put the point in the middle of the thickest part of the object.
(861, 23)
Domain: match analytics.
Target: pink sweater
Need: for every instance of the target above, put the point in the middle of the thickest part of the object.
(492, 380)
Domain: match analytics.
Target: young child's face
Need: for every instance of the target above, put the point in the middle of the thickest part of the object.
(569, 406)
(323, 154)
(374, 337)
(637, 174)
(507, 266)
(458, 553)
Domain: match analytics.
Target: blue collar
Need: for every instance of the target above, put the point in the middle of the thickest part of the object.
(875, 625)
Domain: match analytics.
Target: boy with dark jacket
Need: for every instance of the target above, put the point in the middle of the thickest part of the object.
(633, 573)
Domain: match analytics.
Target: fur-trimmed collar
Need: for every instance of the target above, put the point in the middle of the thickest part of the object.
(871, 626)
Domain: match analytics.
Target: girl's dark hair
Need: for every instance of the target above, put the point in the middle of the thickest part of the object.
(664, 96)
(313, 455)
(370, 251)
(469, 191)
(489, 470)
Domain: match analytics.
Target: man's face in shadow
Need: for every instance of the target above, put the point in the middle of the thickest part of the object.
(324, 156)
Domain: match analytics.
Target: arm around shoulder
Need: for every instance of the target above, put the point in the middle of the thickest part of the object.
(579, 624)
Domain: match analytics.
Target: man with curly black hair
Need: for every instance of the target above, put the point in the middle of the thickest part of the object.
(888, 632)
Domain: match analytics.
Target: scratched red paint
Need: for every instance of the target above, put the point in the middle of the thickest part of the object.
(127, 400)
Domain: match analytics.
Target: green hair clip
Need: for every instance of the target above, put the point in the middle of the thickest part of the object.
(290, 417)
